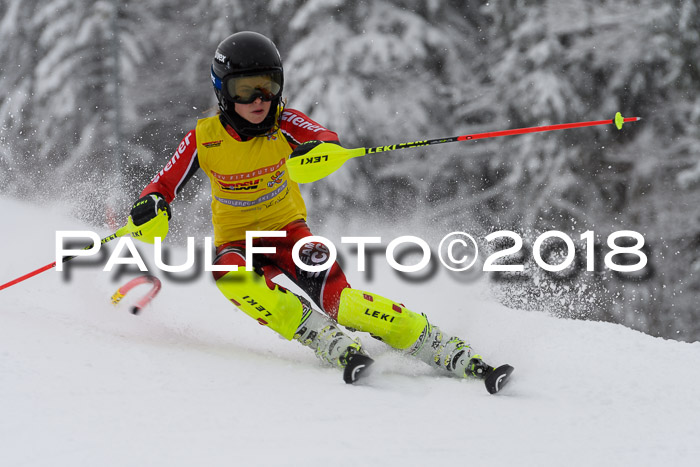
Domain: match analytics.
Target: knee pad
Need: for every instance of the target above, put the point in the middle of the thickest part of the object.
(274, 307)
(382, 318)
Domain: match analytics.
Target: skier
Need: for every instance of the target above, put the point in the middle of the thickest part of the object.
(243, 150)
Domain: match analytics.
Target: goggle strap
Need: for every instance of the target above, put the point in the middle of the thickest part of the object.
(216, 81)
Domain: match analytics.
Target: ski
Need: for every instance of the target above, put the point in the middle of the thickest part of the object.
(498, 378)
(356, 368)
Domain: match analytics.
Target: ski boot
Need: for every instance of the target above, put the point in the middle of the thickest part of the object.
(331, 345)
(452, 355)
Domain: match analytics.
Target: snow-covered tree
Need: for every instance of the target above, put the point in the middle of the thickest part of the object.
(18, 143)
(73, 60)
(378, 73)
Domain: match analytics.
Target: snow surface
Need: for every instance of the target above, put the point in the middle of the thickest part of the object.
(192, 381)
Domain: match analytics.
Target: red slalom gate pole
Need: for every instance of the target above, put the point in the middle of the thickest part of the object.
(146, 299)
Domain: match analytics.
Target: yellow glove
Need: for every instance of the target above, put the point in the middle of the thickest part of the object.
(150, 217)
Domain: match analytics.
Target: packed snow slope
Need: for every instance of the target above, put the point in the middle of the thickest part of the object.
(193, 381)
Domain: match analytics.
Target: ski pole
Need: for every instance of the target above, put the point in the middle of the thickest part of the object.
(119, 233)
(326, 158)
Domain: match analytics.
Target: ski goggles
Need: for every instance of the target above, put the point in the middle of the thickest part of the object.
(245, 89)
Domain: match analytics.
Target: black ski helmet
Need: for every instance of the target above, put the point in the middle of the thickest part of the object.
(246, 53)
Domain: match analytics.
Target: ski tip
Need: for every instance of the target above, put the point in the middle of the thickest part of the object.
(356, 368)
(498, 378)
